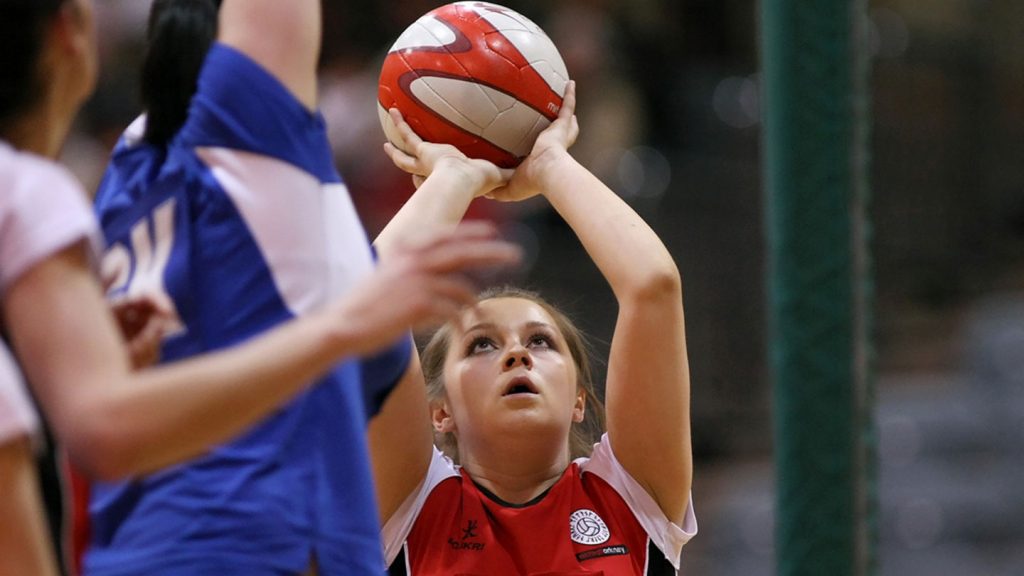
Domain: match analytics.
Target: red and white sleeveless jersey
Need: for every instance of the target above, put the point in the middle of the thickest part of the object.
(595, 520)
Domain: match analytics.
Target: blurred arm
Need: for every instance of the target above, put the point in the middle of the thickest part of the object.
(115, 424)
(282, 36)
(24, 543)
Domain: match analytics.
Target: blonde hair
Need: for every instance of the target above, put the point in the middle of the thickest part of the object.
(582, 435)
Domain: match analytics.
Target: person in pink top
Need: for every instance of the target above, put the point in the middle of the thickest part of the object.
(20, 499)
(113, 422)
(516, 488)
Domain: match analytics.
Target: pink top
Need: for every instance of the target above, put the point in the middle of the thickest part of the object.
(43, 210)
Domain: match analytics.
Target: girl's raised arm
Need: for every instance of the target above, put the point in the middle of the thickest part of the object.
(648, 386)
(400, 435)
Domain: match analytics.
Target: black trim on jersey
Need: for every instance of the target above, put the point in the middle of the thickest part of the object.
(397, 567)
(494, 498)
(657, 564)
(56, 497)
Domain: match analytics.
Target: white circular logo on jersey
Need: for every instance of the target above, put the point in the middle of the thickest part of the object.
(586, 527)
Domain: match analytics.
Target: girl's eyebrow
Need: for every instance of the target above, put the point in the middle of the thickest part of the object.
(481, 326)
(484, 326)
(539, 324)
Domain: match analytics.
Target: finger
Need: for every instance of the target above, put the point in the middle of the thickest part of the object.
(153, 332)
(401, 140)
(454, 292)
(148, 304)
(495, 193)
(393, 151)
(144, 348)
(396, 145)
(406, 131)
(568, 101)
(400, 158)
(468, 231)
(143, 354)
(131, 316)
(500, 194)
(450, 295)
(574, 131)
(467, 255)
(435, 299)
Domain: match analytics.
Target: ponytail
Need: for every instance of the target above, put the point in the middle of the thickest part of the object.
(22, 32)
(180, 34)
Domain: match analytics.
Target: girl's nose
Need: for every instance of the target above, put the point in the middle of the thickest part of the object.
(517, 357)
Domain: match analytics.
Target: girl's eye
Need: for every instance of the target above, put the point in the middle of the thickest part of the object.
(480, 344)
(540, 341)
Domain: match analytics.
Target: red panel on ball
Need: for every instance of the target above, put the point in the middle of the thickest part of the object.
(450, 65)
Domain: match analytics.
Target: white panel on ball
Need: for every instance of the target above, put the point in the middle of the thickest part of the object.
(554, 74)
(501, 18)
(458, 99)
(507, 129)
(425, 32)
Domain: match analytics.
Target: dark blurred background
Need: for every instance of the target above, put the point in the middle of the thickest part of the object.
(669, 95)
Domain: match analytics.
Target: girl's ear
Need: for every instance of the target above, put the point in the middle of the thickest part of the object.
(69, 28)
(579, 409)
(441, 419)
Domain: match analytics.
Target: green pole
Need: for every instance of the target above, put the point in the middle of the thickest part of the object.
(820, 290)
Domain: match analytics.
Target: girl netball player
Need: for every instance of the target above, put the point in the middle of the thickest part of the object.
(508, 385)
(57, 325)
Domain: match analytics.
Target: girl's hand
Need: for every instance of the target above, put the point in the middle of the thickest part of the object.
(142, 321)
(421, 159)
(422, 283)
(551, 147)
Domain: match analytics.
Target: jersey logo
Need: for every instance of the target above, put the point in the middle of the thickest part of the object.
(602, 552)
(586, 527)
(138, 269)
(468, 533)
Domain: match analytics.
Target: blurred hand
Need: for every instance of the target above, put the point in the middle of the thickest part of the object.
(422, 285)
(142, 322)
(551, 147)
(421, 159)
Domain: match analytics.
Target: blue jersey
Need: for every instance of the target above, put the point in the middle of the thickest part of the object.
(240, 224)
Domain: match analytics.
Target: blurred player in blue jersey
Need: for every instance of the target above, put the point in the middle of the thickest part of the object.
(64, 342)
(223, 204)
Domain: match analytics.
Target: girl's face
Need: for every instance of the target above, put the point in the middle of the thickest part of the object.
(86, 42)
(70, 59)
(508, 370)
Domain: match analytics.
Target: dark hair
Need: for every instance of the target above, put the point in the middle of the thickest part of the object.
(180, 34)
(22, 31)
(583, 434)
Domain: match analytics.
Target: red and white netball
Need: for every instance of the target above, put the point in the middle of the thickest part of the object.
(475, 75)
